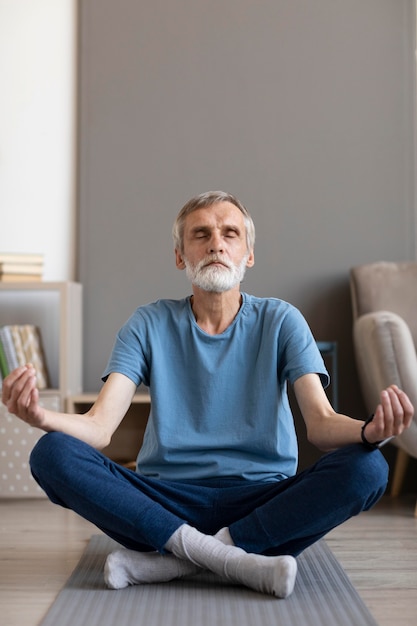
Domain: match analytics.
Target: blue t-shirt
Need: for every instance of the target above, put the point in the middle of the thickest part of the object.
(219, 404)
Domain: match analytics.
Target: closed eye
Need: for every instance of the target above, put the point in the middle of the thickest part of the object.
(200, 234)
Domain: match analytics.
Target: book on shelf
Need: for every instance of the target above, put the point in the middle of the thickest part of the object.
(4, 368)
(20, 278)
(21, 344)
(21, 257)
(9, 350)
(20, 267)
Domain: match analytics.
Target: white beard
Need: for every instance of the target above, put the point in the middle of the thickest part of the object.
(214, 278)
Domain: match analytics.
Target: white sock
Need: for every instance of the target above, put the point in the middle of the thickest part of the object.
(269, 574)
(223, 535)
(129, 567)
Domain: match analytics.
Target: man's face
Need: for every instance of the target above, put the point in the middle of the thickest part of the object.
(215, 253)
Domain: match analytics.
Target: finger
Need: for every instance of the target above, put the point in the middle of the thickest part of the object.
(33, 400)
(407, 406)
(20, 393)
(10, 381)
(402, 407)
(392, 423)
(26, 394)
(397, 411)
(378, 427)
(386, 402)
(379, 415)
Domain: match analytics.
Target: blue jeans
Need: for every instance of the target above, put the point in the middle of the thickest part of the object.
(141, 513)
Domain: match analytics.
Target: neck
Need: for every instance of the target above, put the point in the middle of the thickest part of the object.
(214, 312)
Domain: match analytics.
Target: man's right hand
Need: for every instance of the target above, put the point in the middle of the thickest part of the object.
(21, 397)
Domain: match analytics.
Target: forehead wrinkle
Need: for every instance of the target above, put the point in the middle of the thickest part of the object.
(206, 223)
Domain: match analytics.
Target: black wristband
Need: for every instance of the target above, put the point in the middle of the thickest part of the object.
(366, 443)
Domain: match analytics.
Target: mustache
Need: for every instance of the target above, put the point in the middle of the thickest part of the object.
(214, 258)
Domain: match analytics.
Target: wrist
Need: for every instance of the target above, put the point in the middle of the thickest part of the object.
(365, 442)
(369, 444)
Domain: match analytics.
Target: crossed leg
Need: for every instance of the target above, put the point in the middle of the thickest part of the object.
(145, 515)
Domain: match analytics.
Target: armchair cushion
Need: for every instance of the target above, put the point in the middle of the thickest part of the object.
(385, 355)
(385, 286)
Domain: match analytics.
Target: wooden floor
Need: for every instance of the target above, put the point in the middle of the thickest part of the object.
(40, 545)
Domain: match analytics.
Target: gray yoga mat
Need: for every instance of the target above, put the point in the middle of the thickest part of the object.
(323, 596)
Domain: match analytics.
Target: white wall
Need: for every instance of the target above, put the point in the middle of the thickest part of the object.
(38, 131)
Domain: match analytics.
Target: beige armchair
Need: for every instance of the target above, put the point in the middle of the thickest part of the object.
(384, 303)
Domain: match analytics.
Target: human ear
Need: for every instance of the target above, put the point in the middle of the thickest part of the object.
(179, 260)
(251, 259)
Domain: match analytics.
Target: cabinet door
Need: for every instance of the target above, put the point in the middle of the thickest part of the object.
(16, 442)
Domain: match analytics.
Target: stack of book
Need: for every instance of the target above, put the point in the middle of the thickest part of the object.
(19, 345)
(15, 267)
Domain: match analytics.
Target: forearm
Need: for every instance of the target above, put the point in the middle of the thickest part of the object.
(326, 429)
(329, 430)
(334, 431)
(82, 427)
(96, 427)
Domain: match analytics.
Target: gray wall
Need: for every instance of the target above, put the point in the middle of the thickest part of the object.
(303, 109)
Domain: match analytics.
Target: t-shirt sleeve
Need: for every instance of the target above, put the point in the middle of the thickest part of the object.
(299, 354)
(128, 355)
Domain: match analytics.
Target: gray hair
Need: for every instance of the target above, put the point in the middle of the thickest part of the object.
(203, 201)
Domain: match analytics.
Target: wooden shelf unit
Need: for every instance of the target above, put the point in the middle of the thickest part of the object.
(56, 308)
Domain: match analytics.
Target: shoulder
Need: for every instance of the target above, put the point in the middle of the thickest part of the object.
(156, 314)
(276, 316)
(272, 307)
(161, 308)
